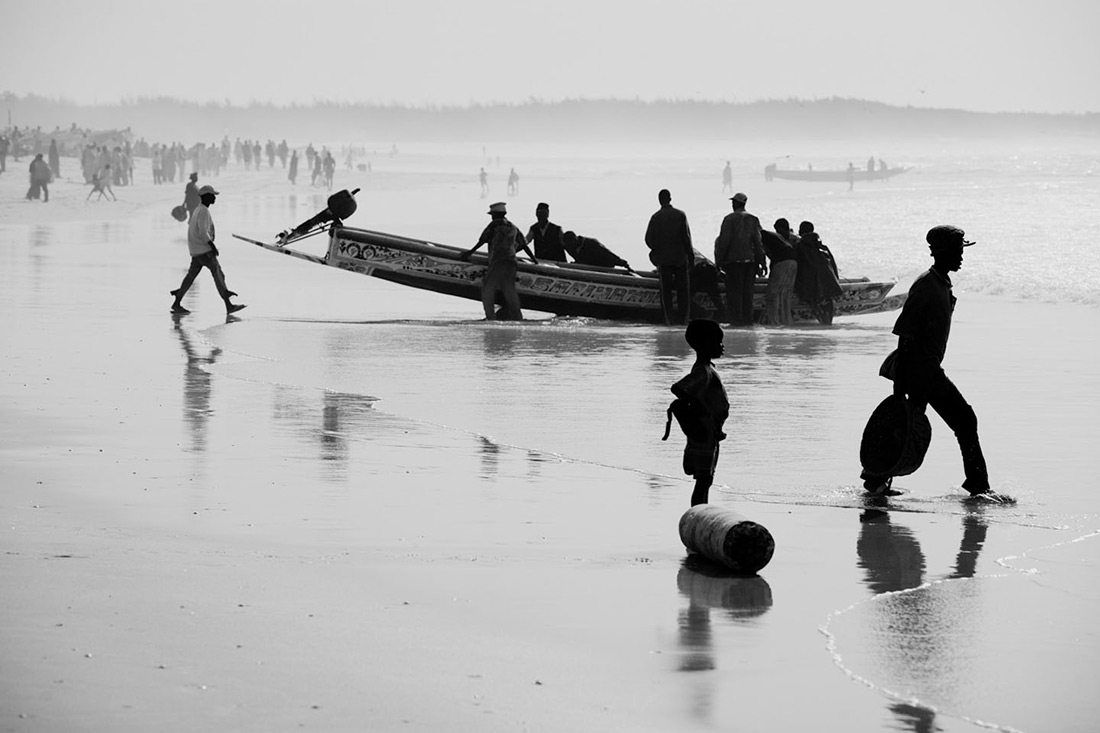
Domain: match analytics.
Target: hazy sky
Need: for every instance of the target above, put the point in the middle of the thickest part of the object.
(986, 55)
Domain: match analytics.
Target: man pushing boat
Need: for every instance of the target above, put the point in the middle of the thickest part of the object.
(504, 239)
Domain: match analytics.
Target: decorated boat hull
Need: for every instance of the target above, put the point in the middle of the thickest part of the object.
(564, 289)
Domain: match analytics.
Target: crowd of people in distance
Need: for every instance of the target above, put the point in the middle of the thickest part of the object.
(107, 158)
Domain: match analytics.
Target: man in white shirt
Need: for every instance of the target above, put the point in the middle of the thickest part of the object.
(200, 243)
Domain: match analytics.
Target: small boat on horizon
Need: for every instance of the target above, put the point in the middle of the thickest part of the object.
(558, 288)
(771, 172)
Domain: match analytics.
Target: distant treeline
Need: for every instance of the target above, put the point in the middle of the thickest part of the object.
(165, 119)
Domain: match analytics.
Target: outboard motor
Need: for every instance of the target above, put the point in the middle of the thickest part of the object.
(341, 205)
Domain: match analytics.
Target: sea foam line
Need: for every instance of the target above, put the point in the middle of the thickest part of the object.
(831, 647)
(1005, 562)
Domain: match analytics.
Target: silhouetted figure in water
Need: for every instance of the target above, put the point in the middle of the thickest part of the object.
(513, 182)
(739, 252)
(292, 175)
(727, 178)
(816, 279)
(706, 399)
(915, 366)
(483, 179)
(851, 176)
(546, 236)
(779, 246)
(504, 239)
(204, 253)
(668, 237)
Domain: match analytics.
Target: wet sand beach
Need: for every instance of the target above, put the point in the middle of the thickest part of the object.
(357, 507)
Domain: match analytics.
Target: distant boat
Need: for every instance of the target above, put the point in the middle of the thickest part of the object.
(833, 176)
(565, 289)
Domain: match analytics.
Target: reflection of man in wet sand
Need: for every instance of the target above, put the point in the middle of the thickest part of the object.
(892, 561)
(197, 387)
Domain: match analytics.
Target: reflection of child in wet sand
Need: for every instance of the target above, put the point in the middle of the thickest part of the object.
(705, 396)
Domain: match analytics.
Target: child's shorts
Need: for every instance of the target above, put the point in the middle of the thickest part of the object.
(700, 458)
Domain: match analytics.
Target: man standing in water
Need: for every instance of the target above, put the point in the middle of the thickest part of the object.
(204, 253)
(669, 240)
(503, 238)
(915, 367)
(739, 252)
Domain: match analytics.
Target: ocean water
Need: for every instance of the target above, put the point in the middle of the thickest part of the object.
(949, 594)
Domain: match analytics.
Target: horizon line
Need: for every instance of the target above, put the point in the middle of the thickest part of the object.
(7, 96)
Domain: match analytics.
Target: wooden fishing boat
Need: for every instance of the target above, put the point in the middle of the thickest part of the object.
(564, 289)
(832, 176)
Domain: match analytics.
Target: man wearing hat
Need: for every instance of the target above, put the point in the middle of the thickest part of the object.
(200, 243)
(503, 238)
(739, 252)
(915, 367)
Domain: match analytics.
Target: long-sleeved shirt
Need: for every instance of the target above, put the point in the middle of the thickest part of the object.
(926, 317)
(669, 238)
(200, 231)
(739, 240)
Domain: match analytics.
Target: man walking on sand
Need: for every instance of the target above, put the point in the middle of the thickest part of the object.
(204, 253)
(916, 365)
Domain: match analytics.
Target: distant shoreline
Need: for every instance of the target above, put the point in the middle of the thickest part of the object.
(166, 118)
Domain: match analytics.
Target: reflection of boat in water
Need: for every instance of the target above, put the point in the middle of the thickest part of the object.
(565, 289)
(832, 176)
